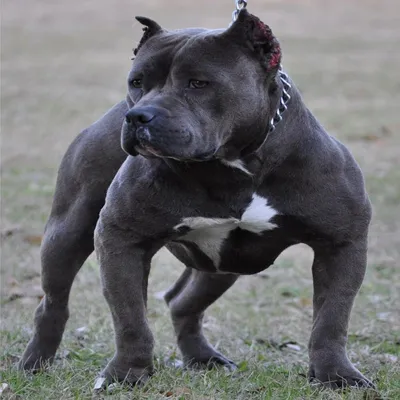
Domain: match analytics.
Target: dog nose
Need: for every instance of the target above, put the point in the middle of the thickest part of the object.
(139, 116)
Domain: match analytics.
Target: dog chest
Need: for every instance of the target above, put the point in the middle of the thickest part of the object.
(207, 235)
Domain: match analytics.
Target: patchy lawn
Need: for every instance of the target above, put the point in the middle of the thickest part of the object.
(64, 64)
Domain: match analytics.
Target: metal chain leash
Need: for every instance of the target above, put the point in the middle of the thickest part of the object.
(240, 4)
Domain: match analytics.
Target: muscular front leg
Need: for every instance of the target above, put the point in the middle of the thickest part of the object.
(81, 188)
(338, 273)
(188, 299)
(124, 271)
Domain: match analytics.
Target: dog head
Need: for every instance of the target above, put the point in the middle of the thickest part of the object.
(198, 94)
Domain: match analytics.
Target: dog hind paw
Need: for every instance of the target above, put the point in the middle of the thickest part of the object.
(210, 362)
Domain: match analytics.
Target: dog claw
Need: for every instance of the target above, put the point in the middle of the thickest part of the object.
(232, 367)
(100, 384)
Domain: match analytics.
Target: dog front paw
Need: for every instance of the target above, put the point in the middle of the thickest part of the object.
(338, 376)
(122, 372)
(37, 356)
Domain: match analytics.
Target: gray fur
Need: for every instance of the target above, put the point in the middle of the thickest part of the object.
(307, 176)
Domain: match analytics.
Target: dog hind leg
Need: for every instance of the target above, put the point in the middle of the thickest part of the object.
(188, 299)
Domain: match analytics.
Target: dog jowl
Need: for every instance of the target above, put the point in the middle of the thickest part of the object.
(227, 168)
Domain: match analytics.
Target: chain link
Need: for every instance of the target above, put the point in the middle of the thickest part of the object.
(283, 101)
(240, 4)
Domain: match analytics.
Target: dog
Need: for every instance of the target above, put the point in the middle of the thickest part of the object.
(227, 168)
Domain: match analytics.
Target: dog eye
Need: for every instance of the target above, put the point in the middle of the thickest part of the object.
(136, 83)
(196, 84)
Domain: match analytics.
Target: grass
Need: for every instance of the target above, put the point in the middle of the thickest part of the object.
(66, 64)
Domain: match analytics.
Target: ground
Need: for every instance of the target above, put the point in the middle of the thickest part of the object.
(64, 64)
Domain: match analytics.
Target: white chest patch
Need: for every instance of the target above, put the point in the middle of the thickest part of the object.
(209, 233)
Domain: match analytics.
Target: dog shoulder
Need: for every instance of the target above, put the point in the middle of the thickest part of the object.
(340, 191)
(324, 188)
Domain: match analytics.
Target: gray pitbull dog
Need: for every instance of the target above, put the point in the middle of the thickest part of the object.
(210, 177)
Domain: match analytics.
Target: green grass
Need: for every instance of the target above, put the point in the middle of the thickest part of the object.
(256, 379)
(65, 65)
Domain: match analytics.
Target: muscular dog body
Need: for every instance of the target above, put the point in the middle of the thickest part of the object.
(211, 179)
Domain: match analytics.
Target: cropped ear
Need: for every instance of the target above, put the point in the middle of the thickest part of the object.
(258, 37)
(151, 28)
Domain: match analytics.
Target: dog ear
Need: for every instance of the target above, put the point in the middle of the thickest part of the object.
(253, 33)
(151, 28)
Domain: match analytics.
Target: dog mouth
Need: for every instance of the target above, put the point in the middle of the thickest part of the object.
(146, 145)
(149, 151)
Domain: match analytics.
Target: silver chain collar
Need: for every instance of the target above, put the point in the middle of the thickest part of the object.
(283, 101)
